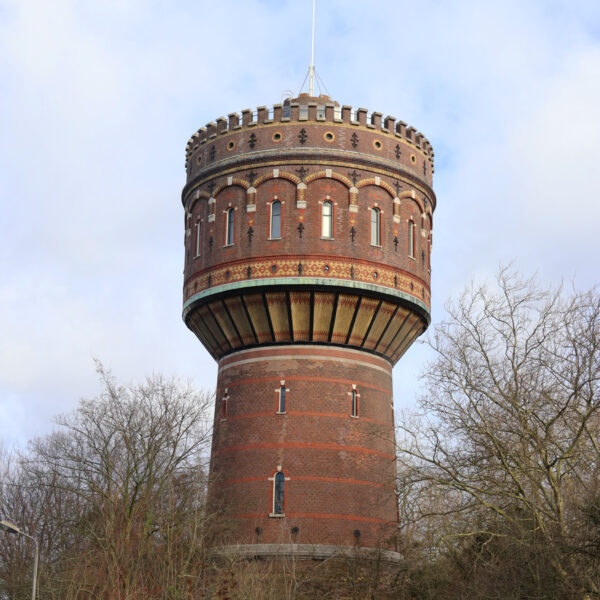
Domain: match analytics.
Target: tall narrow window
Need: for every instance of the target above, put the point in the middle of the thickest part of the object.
(275, 220)
(281, 397)
(375, 226)
(278, 493)
(354, 403)
(411, 239)
(230, 227)
(224, 402)
(429, 251)
(198, 237)
(327, 219)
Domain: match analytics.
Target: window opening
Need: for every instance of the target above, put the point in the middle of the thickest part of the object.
(327, 219)
(230, 227)
(224, 402)
(354, 398)
(375, 226)
(198, 237)
(278, 493)
(276, 219)
(411, 239)
(282, 397)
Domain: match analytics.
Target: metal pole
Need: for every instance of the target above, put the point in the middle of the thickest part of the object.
(35, 564)
(35, 568)
(311, 69)
(13, 529)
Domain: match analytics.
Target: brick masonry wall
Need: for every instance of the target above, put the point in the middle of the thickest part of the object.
(259, 290)
(341, 469)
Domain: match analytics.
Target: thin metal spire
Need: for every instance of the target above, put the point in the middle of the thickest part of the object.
(311, 68)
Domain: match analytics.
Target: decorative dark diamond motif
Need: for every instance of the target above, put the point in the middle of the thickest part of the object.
(352, 233)
(300, 229)
(252, 140)
(354, 140)
(396, 243)
(354, 176)
(302, 136)
(302, 172)
(251, 177)
(213, 152)
(398, 152)
(398, 187)
(250, 234)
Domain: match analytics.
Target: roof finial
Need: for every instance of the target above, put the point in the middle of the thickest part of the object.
(311, 68)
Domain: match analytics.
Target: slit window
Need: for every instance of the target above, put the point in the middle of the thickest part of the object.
(354, 403)
(278, 493)
(281, 397)
(198, 237)
(327, 219)
(375, 227)
(230, 224)
(275, 220)
(224, 402)
(411, 239)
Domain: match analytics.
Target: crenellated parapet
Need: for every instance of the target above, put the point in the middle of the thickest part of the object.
(309, 125)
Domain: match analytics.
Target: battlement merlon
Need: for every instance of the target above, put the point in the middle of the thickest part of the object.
(310, 111)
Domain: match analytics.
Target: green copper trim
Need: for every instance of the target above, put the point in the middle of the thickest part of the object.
(301, 281)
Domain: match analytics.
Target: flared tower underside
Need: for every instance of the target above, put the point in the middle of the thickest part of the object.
(307, 313)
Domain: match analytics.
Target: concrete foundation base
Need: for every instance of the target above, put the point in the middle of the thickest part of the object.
(305, 551)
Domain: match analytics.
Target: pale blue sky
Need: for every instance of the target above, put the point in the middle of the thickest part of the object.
(98, 99)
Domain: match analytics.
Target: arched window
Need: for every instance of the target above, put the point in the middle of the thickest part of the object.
(281, 397)
(278, 493)
(354, 403)
(327, 219)
(375, 227)
(230, 227)
(275, 220)
(411, 239)
(198, 237)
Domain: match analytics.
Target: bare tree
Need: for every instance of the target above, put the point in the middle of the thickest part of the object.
(120, 489)
(503, 458)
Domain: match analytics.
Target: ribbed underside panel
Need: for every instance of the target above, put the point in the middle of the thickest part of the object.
(231, 323)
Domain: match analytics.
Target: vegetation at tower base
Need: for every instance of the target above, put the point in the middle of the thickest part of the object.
(115, 497)
(499, 473)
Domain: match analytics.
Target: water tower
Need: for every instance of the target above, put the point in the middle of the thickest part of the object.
(308, 230)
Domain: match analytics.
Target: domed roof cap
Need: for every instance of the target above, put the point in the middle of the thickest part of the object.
(304, 99)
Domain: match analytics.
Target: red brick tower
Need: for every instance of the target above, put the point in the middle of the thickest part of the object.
(307, 267)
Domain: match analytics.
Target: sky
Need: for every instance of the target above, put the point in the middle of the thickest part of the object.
(99, 98)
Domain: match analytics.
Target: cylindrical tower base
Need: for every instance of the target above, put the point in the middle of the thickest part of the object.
(303, 449)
